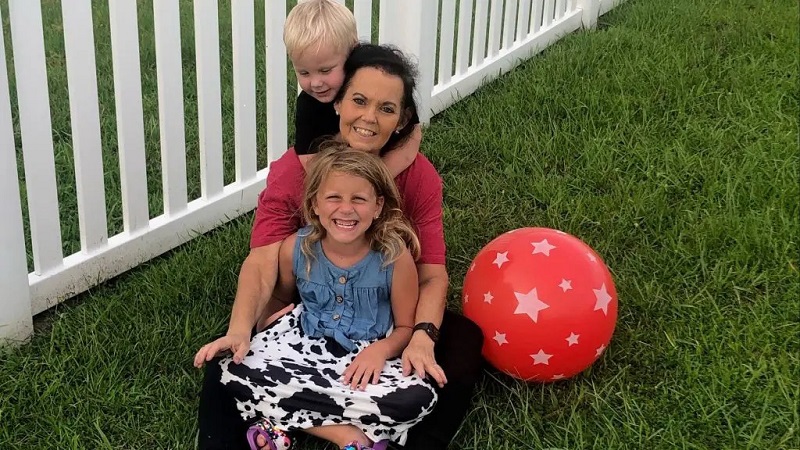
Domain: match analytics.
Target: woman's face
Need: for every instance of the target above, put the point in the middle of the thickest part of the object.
(371, 109)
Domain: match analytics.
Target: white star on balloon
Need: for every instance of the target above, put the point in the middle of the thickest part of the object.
(572, 339)
(565, 284)
(541, 358)
(500, 338)
(542, 247)
(603, 299)
(487, 297)
(599, 350)
(529, 304)
(591, 257)
(500, 259)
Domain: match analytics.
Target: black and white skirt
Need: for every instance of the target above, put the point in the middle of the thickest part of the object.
(294, 381)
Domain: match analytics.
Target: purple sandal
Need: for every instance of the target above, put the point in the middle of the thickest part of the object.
(276, 439)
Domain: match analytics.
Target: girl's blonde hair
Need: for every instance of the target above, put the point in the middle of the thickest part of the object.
(319, 23)
(391, 233)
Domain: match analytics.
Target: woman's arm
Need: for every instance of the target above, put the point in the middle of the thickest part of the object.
(256, 283)
(423, 206)
(276, 219)
(418, 355)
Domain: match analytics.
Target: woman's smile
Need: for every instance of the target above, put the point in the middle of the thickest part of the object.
(363, 132)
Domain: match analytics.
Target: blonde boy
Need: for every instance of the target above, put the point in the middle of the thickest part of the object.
(319, 35)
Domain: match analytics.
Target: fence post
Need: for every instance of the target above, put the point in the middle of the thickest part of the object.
(411, 25)
(16, 323)
(590, 12)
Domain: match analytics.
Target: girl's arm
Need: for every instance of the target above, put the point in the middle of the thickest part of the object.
(368, 364)
(405, 291)
(285, 287)
(398, 159)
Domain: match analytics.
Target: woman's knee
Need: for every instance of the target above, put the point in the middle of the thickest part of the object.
(459, 349)
(462, 332)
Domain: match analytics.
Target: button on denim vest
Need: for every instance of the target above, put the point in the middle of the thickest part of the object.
(346, 304)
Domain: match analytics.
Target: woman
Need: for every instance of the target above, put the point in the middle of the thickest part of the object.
(375, 106)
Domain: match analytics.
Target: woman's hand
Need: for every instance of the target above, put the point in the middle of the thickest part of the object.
(366, 366)
(418, 357)
(238, 344)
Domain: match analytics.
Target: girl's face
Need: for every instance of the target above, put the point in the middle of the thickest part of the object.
(371, 109)
(346, 206)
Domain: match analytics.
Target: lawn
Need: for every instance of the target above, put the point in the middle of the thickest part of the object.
(667, 139)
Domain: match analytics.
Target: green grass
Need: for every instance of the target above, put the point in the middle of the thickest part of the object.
(667, 140)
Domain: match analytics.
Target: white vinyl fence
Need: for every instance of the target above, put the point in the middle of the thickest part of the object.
(479, 40)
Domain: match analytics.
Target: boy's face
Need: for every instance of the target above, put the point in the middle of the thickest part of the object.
(320, 72)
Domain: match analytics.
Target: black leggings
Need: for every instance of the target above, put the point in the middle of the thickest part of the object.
(458, 352)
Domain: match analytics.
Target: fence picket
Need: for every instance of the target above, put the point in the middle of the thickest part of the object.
(447, 30)
(495, 27)
(130, 125)
(37, 139)
(549, 13)
(16, 322)
(244, 88)
(464, 36)
(523, 19)
(560, 9)
(275, 13)
(509, 23)
(362, 9)
(481, 21)
(166, 17)
(209, 97)
(84, 113)
(537, 16)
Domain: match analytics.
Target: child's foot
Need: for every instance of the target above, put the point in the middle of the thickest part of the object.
(263, 435)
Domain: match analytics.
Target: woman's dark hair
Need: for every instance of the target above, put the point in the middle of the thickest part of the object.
(392, 61)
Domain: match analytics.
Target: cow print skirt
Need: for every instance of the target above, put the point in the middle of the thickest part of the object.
(294, 381)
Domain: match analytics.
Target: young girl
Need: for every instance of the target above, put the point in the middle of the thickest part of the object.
(330, 366)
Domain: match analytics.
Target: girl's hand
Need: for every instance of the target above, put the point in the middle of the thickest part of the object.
(366, 366)
(238, 344)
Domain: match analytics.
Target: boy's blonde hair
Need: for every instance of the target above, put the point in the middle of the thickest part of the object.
(317, 24)
(391, 233)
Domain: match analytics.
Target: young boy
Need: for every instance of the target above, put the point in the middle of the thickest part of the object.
(319, 35)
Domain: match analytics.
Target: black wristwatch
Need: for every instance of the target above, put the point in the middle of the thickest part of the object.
(430, 329)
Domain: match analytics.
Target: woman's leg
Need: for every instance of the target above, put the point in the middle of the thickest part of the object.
(459, 353)
(221, 426)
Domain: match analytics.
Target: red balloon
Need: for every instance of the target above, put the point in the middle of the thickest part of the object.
(545, 301)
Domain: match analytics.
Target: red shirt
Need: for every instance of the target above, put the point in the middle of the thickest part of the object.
(278, 212)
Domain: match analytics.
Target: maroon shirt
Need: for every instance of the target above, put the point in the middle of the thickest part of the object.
(278, 213)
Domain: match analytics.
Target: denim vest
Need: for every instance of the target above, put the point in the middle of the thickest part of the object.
(346, 304)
